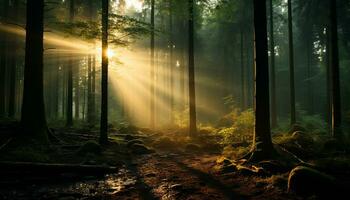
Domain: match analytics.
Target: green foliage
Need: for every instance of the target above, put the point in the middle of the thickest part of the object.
(242, 127)
(182, 118)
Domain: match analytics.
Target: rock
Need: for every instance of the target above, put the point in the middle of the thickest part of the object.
(132, 142)
(90, 147)
(140, 149)
(302, 138)
(193, 148)
(306, 181)
(296, 127)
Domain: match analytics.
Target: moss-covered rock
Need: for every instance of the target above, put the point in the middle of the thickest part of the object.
(306, 181)
(91, 147)
(164, 143)
(296, 127)
(140, 149)
(193, 148)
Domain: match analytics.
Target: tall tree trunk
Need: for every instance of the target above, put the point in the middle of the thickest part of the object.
(69, 104)
(262, 143)
(244, 105)
(272, 70)
(329, 82)
(334, 61)
(104, 81)
(90, 110)
(309, 75)
(152, 78)
(191, 72)
(291, 64)
(33, 118)
(3, 61)
(13, 66)
(171, 45)
(77, 91)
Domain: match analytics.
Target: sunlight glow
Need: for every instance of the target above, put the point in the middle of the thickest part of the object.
(110, 53)
(134, 4)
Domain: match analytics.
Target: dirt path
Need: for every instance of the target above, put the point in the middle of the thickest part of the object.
(165, 176)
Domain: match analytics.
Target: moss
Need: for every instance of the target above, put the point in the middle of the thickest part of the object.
(28, 154)
(91, 147)
(165, 143)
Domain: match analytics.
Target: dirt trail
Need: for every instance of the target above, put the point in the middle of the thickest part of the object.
(164, 176)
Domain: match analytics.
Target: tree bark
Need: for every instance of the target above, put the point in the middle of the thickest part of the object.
(3, 61)
(291, 65)
(262, 143)
(171, 45)
(334, 61)
(152, 78)
(272, 70)
(191, 71)
(69, 104)
(104, 81)
(33, 118)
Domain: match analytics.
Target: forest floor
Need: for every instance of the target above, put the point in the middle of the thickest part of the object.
(163, 171)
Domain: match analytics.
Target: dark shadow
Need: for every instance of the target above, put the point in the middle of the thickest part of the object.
(211, 181)
(143, 189)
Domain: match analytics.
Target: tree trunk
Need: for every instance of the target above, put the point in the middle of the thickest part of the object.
(171, 45)
(3, 61)
(272, 70)
(152, 78)
(191, 72)
(244, 105)
(69, 104)
(77, 91)
(334, 61)
(104, 81)
(33, 118)
(262, 143)
(291, 65)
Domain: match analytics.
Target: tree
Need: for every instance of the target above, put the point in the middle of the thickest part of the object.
(171, 47)
(33, 119)
(152, 78)
(291, 64)
(104, 81)
(272, 69)
(91, 97)
(3, 57)
(69, 112)
(262, 143)
(191, 78)
(334, 62)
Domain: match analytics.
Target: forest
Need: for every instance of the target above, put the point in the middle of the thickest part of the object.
(174, 99)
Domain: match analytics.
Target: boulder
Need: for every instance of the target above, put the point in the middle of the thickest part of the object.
(296, 127)
(90, 147)
(140, 149)
(192, 148)
(305, 181)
